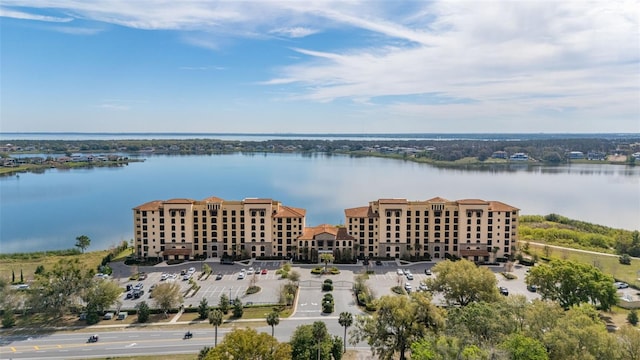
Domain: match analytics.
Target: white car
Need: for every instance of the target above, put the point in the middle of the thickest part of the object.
(407, 287)
(400, 272)
(423, 287)
(620, 285)
(250, 271)
(164, 276)
(241, 275)
(192, 270)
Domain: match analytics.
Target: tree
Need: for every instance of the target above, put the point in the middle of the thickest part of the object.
(632, 317)
(294, 276)
(215, 319)
(167, 296)
(345, 320)
(203, 308)
(462, 282)
(571, 283)
(203, 353)
(223, 305)
(625, 259)
(249, 344)
(398, 322)
(143, 312)
(311, 342)
(61, 288)
(481, 323)
(100, 295)
(520, 347)
(629, 342)
(238, 310)
(21, 277)
(273, 319)
(326, 259)
(336, 348)
(83, 242)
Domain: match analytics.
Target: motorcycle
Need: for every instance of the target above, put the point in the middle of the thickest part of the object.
(93, 338)
(188, 335)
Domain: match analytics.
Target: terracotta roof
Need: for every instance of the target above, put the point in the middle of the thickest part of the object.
(500, 206)
(359, 212)
(438, 200)
(179, 201)
(472, 202)
(339, 233)
(474, 252)
(151, 205)
(392, 201)
(290, 212)
(213, 199)
(257, 201)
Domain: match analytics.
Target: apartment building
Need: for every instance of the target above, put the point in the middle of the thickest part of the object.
(187, 229)
(474, 229)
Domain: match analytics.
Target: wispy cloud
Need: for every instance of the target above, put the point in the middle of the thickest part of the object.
(202, 68)
(294, 32)
(114, 107)
(4, 12)
(77, 30)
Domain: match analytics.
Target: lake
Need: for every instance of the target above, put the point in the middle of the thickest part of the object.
(48, 211)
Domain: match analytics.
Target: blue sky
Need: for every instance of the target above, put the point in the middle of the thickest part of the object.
(319, 66)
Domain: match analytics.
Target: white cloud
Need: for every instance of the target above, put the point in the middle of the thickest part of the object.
(294, 32)
(77, 30)
(28, 16)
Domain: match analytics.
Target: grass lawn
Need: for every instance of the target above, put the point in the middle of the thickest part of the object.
(259, 313)
(29, 262)
(607, 264)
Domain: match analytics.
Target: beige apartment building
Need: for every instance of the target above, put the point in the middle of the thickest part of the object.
(213, 227)
(474, 229)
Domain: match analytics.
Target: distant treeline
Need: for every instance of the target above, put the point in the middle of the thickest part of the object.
(546, 150)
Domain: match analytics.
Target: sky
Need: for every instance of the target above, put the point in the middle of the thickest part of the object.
(320, 66)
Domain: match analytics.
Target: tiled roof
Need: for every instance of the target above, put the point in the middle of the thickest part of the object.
(257, 201)
(213, 199)
(472, 202)
(359, 212)
(339, 233)
(438, 200)
(500, 206)
(179, 201)
(392, 201)
(151, 205)
(290, 212)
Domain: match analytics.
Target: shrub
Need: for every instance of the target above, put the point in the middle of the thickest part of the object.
(317, 270)
(398, 290)
(327, 307)
(8, 320)
(253, 290)
(328, 281)
(632, 317)
(327, 287)
(370, 306)
(625, 259)
(508, 275)
(334, 271)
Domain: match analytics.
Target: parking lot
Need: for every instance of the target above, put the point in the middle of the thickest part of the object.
(385, 277)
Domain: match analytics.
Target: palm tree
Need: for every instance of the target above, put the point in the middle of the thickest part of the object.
(345, 320)
(326, 259)
(273, 319)
(215, 319)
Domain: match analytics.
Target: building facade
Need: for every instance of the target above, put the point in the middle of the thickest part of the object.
(188, 229)
(474, 229)
(478, 230)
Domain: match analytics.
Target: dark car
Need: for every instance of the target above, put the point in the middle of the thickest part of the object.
(378, 262)
(504, 291)
(219, 277)
(138, 294)
(129, 295)
(427, 272)
(532, 288)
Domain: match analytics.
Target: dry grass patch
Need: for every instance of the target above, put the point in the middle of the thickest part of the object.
(29, 262)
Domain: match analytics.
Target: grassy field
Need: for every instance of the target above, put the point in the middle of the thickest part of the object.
(607, 264)
(28, 262)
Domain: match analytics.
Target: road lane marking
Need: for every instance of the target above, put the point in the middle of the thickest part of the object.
(36, 347)
(13, 349)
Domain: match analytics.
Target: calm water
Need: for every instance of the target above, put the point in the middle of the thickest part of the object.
(48, 211)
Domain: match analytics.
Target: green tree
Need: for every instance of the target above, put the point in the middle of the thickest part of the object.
(61, 288)
(83, 242)
(311, 342)
(629, 342)
(481, 323)
(345, 320)
(336, 348)
(541, 317)
(248, 344)
(580, 334)
(632, 317)
(143, 312)
(167, 296)
(224, 303)
(99, 296)
(21, 277)
(521, 347)
(294, 277)
(273, 319)
(203, 308)
(398, 322)
(215, 319)
(571, 283)
(462, 282)
(326, 259)
(202, 355)
(238, 310)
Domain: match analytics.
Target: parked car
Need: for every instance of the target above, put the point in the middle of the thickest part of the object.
(407, 287)
(109, 316)
(250, 271)
(219, 276)
(620, 285)
(532, 288)
(241, 275)
(423, 287)
(138, 293)
(504, 291)
(400, 272)
(263, 272)
(409, 276)
(378, 262)
(427, 272)
(129, 295)
(164, 276)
